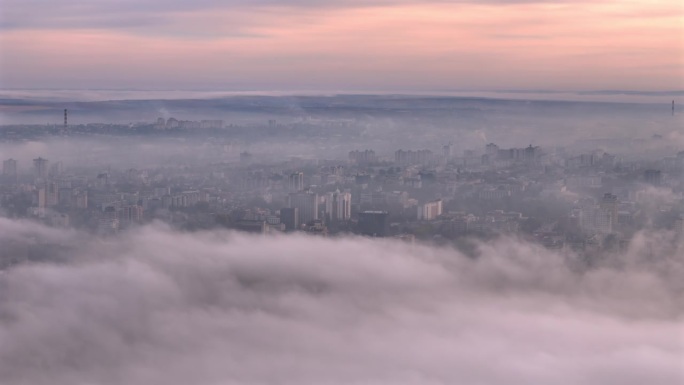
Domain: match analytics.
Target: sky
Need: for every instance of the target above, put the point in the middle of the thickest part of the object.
(155, 306)
(337, 45)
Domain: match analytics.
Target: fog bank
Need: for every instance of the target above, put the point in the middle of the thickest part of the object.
(155, 306)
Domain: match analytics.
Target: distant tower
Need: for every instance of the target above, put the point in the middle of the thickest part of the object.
(653, 177)
(306, 204)
(447, 151)
(338, 206)
(65, 121)
(608, 209)
(673, 108)
(296, 182)
(9, 168)
(40, 167)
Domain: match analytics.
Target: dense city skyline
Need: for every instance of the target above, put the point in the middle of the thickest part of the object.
(341, 192)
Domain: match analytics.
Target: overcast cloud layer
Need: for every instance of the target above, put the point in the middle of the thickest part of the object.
(160, 307)
(337, 45)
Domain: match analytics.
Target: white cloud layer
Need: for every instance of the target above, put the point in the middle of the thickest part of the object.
(161, 307)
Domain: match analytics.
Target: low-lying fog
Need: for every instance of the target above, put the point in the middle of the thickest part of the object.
(156, 306)
(277, 127)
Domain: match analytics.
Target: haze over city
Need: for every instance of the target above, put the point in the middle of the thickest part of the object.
(341, 192)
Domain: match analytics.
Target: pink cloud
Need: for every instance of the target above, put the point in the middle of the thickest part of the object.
(547, 45)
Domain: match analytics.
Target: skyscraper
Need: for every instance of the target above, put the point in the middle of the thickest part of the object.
(296, 182)
(338, 206)
(306, 203)
(430, 210)
(653, 177)
(40, 167)
(289, 216)
(374, 223)
(9, 168)
(51, 194)
(608, 213)
(39, 197)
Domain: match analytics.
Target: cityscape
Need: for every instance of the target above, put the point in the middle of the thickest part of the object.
(585, 201)
(341, 192)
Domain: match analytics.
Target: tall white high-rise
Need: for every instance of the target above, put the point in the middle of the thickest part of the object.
(307, 204)
(338, 206)
(430, 211)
